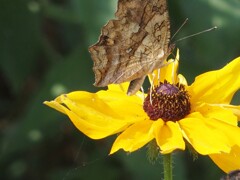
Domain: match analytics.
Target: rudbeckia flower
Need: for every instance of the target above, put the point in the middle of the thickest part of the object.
(173, 113)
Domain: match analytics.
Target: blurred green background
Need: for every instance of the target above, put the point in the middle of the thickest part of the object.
(44, 52)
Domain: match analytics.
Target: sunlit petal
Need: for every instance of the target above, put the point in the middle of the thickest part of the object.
(217, 112)
(56, 105)
(167, 72)
(232, 132)
(119, 87)
(182, 80)
(96, 117)
(217, 86)
(235, 109)
(228, 161)
(168, 136)
(205, 139)
(134, 137)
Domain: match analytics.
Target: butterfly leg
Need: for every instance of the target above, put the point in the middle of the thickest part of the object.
(135, 85)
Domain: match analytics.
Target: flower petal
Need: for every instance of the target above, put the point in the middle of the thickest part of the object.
(96, 130)
(182, 80)
(81, 103)
(56, 105)
(217, 86)
(204, 138)
(167, 72)
(234, 109)
(168, 136)
(232, 132)
(134, 137)
(95, 114)
(217, 112)
(228, 161)
(123, 88)
(130, 107)
(119, 87)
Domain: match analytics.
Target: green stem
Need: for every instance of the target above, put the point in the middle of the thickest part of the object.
(167, 166)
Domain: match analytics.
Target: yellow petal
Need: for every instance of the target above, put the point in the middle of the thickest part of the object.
(56, 105)
(182, 80)
(168, 136)
(95, 123)
(217, 86)
(134, 137)
(119, 87)
(167, 72)
(95, 130)
(232, 132)
(234, 109)
(96, 115)
(81, 102)
(123, 88)
(130, 107)
(228, 161)
(204, 138)
(217, 112)
(89, 129)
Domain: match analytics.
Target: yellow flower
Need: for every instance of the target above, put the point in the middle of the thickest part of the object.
(206, 120)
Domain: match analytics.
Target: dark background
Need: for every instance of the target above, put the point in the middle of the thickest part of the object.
(44, 53)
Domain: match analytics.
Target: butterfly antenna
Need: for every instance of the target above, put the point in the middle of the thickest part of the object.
(143, 95)
(179, 28)
(206, 30)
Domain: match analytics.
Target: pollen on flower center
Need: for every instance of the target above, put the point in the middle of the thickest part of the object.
(167, 101)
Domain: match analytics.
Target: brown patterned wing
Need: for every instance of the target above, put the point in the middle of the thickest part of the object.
(134, 44)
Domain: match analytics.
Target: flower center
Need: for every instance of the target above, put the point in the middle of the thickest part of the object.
(167, 101)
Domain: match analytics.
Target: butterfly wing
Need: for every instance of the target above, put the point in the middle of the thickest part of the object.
(133, 44)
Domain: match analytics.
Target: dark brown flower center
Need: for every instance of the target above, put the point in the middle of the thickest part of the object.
(167, 101)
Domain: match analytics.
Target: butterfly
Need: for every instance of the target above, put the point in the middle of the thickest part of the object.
(133, 44)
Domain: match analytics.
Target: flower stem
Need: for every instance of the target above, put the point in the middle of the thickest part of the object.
(167, 166)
